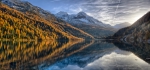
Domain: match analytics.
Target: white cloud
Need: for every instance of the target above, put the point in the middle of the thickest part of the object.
(111, 14)
(104, 10)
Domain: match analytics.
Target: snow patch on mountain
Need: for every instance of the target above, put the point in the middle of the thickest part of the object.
(84, 20)
(80, 18)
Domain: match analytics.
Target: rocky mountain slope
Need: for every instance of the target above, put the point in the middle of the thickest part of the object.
(139, 31)
(87, 23)
(80, 18)
(41, 19)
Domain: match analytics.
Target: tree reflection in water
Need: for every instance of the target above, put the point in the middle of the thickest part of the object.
(36, 55)
(27, 55)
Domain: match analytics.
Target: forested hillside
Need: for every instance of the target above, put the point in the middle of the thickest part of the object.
(28, 25)
(139, 31)
(15, 25)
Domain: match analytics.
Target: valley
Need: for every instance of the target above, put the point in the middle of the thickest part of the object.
(74, 35)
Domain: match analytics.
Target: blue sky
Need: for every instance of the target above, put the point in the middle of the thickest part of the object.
(108, 11)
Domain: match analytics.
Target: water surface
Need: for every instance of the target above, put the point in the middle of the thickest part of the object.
(81, 55)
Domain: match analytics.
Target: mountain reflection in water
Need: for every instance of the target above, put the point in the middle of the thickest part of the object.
(72, 55)
(100, 56)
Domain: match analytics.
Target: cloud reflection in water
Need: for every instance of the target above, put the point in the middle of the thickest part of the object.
(115, 60)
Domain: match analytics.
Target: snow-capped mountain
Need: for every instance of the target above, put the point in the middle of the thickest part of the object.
(87, 23)
(81, 21)
(80, 18)
(33, 11)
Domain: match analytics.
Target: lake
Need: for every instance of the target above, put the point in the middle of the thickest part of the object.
(74, 55)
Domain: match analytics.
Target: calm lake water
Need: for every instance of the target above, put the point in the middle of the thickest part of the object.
(81, 55)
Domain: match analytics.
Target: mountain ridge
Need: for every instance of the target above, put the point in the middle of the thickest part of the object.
(87, 23)
(80, 18)
(50, 20)
(139, 31)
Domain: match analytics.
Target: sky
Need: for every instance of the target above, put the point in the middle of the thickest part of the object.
(108, 11)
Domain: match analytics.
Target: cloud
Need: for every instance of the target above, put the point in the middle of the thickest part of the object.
(115, 11)
(108, 11)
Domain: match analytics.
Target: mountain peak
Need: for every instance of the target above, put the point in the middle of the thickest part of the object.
(62, 13)
(80, 18)
(82, 14)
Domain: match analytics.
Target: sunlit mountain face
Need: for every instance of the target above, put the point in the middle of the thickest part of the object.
(108, 11)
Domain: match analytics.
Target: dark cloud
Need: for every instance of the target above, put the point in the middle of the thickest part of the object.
(107, 11)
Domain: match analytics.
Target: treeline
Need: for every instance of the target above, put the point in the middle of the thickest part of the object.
(30, 25)
(16, 25)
